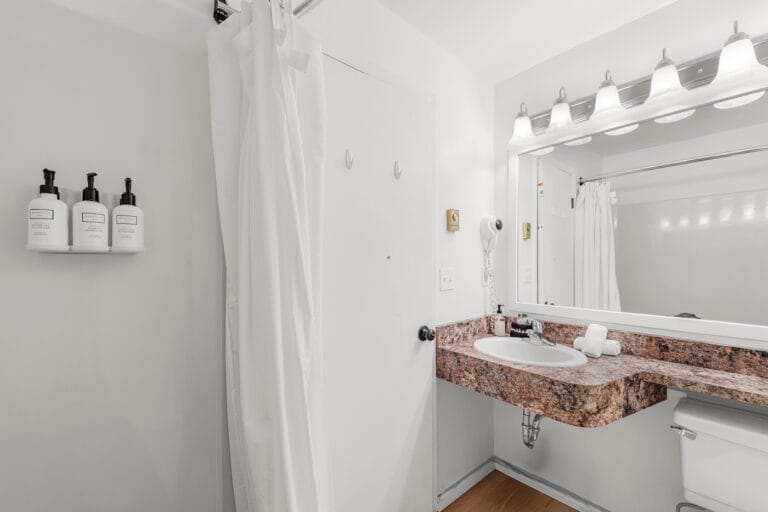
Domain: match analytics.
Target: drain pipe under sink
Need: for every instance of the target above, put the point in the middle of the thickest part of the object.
(531, 428)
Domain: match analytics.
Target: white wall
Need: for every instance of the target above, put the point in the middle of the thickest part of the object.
(371, 37)
(111, 366)
(629, 466)
(635, 461)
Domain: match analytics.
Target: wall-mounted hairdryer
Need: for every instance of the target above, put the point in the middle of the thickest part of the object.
(489, 232)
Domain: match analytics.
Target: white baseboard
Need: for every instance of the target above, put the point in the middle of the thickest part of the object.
(546, 487)
(456, 490)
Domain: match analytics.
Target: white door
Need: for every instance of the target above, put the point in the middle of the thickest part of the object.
(379, 285)
(555, 240)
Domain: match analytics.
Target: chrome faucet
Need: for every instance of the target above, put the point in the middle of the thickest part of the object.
(536, 333)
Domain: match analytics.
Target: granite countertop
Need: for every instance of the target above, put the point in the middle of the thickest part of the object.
(602, 391)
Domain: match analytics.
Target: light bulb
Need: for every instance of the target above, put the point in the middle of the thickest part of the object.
(522, 128)
(738, 63)
(560, 116)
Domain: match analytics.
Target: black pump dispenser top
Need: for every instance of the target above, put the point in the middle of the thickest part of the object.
(90, 193)
(127, 197)
(498, 308)
(48, 187)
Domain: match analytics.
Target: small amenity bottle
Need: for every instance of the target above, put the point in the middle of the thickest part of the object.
(47, 218)
(499, 322)
(127, 223)
(90, 230)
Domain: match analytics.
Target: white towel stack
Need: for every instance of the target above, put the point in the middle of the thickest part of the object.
(595, 343)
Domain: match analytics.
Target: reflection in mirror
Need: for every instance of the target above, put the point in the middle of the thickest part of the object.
(687, 239)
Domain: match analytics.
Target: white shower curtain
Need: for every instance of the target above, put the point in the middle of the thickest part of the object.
(268, 124)
(596, 285)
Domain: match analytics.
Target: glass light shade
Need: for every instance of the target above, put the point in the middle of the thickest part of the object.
(737, 55)
(608, 103)
(522, 128)
(665, 82)
(560, 116)
(543, 151)
(607, 99)
(738, 63)
(579, 142)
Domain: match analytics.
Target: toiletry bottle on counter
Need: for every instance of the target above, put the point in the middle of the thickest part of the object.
(47, 218)
(499, 322)
(127, 222)
(90, 229)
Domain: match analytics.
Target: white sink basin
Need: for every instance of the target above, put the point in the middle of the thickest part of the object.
(521, 350)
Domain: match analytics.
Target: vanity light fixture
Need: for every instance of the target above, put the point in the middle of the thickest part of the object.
(560, 116)
(522, 128)
(738, 60)
(665, 81)
(608, 103)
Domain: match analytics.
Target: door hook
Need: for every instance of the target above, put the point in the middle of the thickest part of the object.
(398, 170)
(349, 159)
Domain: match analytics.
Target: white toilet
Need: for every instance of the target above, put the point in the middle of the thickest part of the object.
(725, 456)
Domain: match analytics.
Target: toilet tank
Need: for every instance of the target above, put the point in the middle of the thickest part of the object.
(725, 468)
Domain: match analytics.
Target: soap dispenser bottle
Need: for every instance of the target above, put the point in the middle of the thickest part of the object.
(499, 322)
(90, 230)
(127, 223)
(47, 218)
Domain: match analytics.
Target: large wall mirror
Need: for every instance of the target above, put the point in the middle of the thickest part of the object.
(670, 220)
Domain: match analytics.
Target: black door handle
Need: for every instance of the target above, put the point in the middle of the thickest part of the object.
(426, 334)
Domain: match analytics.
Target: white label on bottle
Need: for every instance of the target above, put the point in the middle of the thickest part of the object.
(94, 217)
(126, 219)
(41, 214)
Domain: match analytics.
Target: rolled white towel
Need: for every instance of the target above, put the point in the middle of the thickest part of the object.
(596, 331)
(593, 347)
(610, 347)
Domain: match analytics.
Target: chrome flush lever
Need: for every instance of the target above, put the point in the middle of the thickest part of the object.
(684, 432)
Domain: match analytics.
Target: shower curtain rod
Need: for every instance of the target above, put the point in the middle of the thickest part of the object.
(222, 9)
(685, 161)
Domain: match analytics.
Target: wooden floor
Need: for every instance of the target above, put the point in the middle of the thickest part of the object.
(499, 493)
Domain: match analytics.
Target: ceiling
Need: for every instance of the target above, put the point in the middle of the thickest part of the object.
(501, 38)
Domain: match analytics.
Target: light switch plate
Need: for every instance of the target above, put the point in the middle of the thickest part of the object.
(447, 281)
